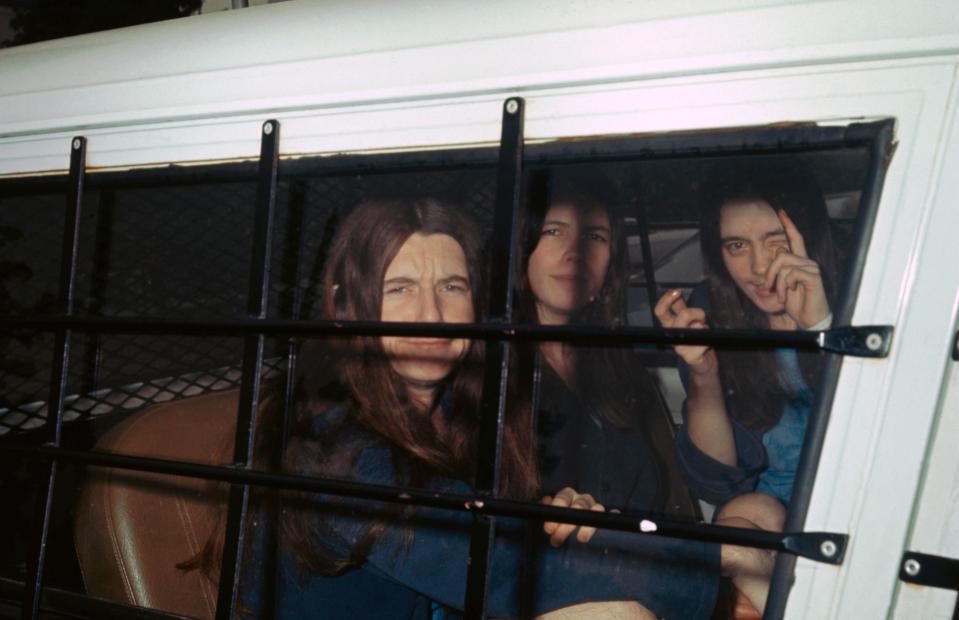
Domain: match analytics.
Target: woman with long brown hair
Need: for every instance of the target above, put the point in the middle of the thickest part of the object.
(601, 425)
(769, 264)
(404, 411)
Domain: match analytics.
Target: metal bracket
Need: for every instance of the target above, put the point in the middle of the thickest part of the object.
(826, 547)
(929, 570)
(858, 340)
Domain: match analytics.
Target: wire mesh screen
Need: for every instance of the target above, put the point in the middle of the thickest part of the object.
(177, 252)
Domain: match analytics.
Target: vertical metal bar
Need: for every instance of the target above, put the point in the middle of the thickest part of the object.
(59, 372)
(252, 366)
(102, 249)
(292, 307)
(880, 153)
(496, 375)
(642, 222)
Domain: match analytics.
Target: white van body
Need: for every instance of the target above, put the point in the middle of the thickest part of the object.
(358, 77)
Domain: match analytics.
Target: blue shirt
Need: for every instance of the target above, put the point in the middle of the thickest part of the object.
(766, 462)
(423, 576)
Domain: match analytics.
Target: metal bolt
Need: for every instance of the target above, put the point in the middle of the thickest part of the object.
(911, 567)
(828, 548)
(267, 128)
(512, 106)
(76, 144)
(873, 342)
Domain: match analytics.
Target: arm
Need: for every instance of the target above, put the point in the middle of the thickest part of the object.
(674, 578)
(707, 421)
(719, 457)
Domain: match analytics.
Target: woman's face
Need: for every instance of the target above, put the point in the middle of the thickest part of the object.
(568, 266)
(427, 282)
(751, 237)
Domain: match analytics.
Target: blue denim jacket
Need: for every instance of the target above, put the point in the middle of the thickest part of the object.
(423, 576)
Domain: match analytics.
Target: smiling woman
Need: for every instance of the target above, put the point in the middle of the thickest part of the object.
(769, 265)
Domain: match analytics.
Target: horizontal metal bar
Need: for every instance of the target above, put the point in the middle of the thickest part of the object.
(858, 341)
(825, 547)
(74, 604)
(929, 570)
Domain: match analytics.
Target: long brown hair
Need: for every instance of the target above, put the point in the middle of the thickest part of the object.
(352, 383)
(348, 385)
(604, 375)
(752, 378)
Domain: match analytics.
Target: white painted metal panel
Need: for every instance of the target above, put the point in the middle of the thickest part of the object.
(304, 55)
(884, 410)
(936, 528)
(382, 76)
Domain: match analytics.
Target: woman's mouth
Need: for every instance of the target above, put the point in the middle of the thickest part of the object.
(762, 291)
(428, 343)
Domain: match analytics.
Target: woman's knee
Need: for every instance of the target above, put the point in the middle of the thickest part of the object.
(601, 610)
(762, 511)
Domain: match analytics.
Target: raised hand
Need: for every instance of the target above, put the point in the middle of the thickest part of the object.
(569, 498)
(672, 311)
(797, 279)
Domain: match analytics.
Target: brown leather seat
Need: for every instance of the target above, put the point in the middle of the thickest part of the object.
(133, 528)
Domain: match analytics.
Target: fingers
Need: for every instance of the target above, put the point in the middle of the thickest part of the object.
(668, 305)
(694, 318)
(672, 311)
(796, 242)
(789, 260)
(791, 278)
(585, 532)
(569, 498)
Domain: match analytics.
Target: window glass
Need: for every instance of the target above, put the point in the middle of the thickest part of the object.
(601, 244)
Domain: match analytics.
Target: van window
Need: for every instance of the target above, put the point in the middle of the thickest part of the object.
(605, 229)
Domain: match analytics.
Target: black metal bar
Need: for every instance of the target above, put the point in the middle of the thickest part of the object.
(59, 372)
(813, 545)
(56, 600)
(102, 249)
(925, 569)
(496, 374)
(879, 138)
(648, 267)
(252, 369)
(955, 347)
(738, 141)
(855, 341)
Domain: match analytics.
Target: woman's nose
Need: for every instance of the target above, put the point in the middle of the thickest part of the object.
(572, 249)
(760, 259)
(430, 311)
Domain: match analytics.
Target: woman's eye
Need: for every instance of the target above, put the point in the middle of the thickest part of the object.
(550, 232)
(454, 288)
(595, 237)
(396, 290)
(734, 247)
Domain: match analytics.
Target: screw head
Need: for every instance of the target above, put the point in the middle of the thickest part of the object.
(911, 567)
(76, 144)
(828, 548)
(873, 342)
(512, 106)
(267, 128)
